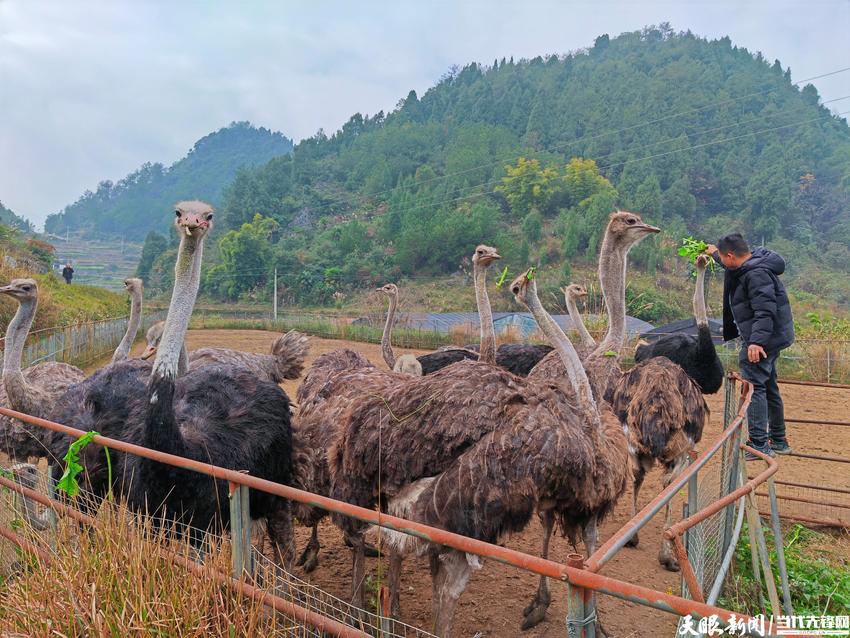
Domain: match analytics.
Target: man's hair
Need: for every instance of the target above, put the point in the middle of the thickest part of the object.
(735, 244)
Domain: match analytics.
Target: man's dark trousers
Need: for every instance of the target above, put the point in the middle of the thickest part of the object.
(766, 406)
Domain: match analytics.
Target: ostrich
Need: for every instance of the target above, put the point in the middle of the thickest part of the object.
(337, 378)
(587, 342)
(134, 287)
(516, 357)
(34, 390)
(623, 231)
(406, 363)
(696, 355)
(219, 414)
(477, 450)
(286, 360)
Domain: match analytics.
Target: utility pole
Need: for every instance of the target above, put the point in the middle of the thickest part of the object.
(274, 302)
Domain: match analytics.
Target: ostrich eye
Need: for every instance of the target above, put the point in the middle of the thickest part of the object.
(178, 213)
(631, 221)
(209, 216)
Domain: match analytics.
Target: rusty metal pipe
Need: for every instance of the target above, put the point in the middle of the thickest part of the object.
(24, 544)
(679, 528)
(816, 384)
(579, 577)
(826, 522)
(614, 544)
(687, 570)
(800, 499)
(819, 457)
(822, 488)
(817, 422)
(299, 613)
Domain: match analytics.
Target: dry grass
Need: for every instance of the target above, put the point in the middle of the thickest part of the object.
(119, 580)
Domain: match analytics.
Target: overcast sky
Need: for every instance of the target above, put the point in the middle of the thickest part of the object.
(91, 90)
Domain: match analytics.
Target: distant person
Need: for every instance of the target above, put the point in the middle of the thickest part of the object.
(67, 273)
(756, 308)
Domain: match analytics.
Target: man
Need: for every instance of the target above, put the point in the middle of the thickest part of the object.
(756, 308)
(67, 273)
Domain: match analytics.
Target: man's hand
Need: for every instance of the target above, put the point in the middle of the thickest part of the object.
(710, 249)
(755, 353)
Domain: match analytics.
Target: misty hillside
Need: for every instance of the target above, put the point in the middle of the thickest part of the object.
(142, 201)
(699, 136)
(9, 218)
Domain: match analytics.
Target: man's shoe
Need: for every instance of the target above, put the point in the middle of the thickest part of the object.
(781, 447)
(765, 449)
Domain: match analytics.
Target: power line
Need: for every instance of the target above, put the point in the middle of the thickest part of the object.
(586, 138)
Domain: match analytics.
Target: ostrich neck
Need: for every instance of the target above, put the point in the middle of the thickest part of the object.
(485, 315)
(386, 339)
(123, 349)
(700, 313)
(16, 336)
(587, 339)
(567, 353)
(162, 432)
(612, 278)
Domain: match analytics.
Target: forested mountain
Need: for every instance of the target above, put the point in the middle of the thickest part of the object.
(142, 201)
(9, 218)
(701, 137)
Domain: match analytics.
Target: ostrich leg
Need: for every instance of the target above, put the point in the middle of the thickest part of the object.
(450, 573)
(536, 610)
(394, 581)
(358, 571)
(309, 558)
(665, 554)
(279, 526)
(640, 473)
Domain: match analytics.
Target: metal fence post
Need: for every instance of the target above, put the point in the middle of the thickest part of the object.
(780, 548)
(693, 507)
(240, 530)
(575, 602)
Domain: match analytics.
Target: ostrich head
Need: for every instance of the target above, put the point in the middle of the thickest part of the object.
(390, 290)
(133, 285)
(626, 229)
(485, 255)
(193, 218)
(21, 290)
(575, 291)
(702, 262)
(523, 288)
(152, 338)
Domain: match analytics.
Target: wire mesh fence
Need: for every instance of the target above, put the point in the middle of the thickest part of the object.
(79, 344)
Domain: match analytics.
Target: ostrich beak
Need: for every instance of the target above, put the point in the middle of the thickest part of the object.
(149, 352)
(651, 229)
(6, 290)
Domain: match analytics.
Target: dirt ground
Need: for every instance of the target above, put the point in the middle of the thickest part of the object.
(496, 595)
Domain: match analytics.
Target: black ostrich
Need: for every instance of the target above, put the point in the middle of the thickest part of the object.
(218, 414)
(696, 355)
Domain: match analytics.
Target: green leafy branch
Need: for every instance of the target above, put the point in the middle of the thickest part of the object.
(68, 483)
(692, 248)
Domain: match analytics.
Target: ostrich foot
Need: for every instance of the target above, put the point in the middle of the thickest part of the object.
(535, 612)
(311, 563)
(633, 541)
(667, 560)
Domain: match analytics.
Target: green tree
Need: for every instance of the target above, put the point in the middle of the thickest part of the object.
(155, 244)
(529, 185)
(246, 257)
(532, 226)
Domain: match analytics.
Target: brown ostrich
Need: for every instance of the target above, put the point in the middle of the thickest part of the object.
(623, 231)
(334, 380)
(587, 343)
(33, 390)
(406, 363)
(135, 288)
(476, 450)
(286, 360)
